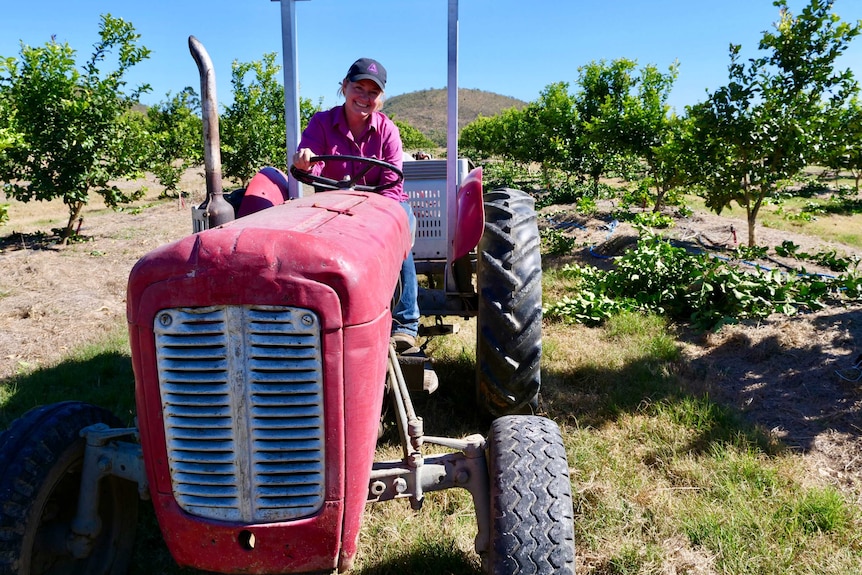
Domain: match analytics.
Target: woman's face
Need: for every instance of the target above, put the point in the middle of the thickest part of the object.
(362, 98)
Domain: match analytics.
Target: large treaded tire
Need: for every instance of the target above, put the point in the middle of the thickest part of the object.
(532, 518)
(509, 319)
(41, 456)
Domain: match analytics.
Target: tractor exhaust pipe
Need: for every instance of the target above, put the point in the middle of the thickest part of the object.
(218, 210)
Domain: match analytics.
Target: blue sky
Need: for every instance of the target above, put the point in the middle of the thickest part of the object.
(510, 47)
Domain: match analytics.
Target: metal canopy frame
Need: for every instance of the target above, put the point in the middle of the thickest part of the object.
(291, 79)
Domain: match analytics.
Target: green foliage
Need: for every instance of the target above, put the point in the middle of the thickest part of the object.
(177, 129)
(74, 133)
(253, 132)
(544, 132)
(828, 258)
(818, 510)
(580, 193)
(9, 135)
(252, 129)
(658, 277)
(844, 151)
(773, 117)
(555, 242)
(413, 139)
(603, 89)
(639, 196)
(560, 193)
(4, 214)
(617, 123)
(656, 220)
(502, 174)
(750, 252)
(306, 110)
(587, 205)
(626, 117)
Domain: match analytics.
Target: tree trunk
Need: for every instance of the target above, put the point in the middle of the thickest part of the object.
(659, 198)
(752, 220)
(74, 214)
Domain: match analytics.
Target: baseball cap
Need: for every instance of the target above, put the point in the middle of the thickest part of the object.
(368, 69)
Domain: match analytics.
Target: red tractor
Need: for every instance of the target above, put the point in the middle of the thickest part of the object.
(262, 363)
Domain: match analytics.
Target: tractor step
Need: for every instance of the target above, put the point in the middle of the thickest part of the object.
(418, 372)
(438, 329)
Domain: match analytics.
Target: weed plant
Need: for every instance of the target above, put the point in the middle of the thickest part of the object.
(658, 277)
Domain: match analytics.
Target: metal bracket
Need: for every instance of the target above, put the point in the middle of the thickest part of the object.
(415, 474)
(104, 455)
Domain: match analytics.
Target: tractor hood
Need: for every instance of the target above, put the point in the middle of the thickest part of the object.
(353, 243)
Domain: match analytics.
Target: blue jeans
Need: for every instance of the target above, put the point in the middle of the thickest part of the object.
(405, 316)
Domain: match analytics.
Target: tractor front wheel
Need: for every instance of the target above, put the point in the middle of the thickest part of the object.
(41, 460)
(532, 518)
(509, 318)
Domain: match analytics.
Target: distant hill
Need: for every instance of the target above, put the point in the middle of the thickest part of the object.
(425, 110)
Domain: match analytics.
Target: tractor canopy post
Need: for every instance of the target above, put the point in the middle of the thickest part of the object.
(290, 64)
(452, 106)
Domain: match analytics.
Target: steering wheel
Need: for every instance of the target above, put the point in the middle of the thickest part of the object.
(348, 183)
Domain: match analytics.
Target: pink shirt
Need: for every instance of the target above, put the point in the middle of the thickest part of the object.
(328, 134)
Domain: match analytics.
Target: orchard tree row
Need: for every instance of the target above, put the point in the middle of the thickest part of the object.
(68, 132)
(786, 109)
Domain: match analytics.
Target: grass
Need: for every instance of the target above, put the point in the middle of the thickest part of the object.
(663, 478)
(98, 373)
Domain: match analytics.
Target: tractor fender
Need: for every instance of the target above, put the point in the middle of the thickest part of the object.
(470, 219)
(267, 188)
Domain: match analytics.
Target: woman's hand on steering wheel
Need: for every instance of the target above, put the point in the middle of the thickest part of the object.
(304, 159)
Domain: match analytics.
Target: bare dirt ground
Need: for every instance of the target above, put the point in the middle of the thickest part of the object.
(793, 376)
(55, 298)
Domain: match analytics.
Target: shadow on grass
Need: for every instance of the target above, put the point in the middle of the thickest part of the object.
(433, 558)
(797, 384)
(786, 384)
(104, 379)
(591, 397)
(17, 241)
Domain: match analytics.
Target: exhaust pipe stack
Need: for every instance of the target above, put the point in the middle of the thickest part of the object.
(218, 210)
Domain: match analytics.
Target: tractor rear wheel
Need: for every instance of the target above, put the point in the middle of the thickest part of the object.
(40, 476)
(532, 518)
(509, 318)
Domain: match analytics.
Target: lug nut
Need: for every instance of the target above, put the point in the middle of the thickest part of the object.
(377, 488)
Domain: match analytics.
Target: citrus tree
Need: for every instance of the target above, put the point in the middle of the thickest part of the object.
(845, 150)
(74, 131)
(253, 126)
(771, 120)
(413, 139)
(603, 92)
(177, 128)
(546, 132)
(626, 116)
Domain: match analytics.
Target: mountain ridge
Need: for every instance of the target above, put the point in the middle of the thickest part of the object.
(426, 110)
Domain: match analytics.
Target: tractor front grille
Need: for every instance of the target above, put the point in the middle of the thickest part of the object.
(242, 397)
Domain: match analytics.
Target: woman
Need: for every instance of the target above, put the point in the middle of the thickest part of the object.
(358, 128)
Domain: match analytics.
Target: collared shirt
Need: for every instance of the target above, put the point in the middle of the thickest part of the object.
(328, 134)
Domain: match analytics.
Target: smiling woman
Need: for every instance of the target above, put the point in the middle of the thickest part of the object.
(358, 128)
